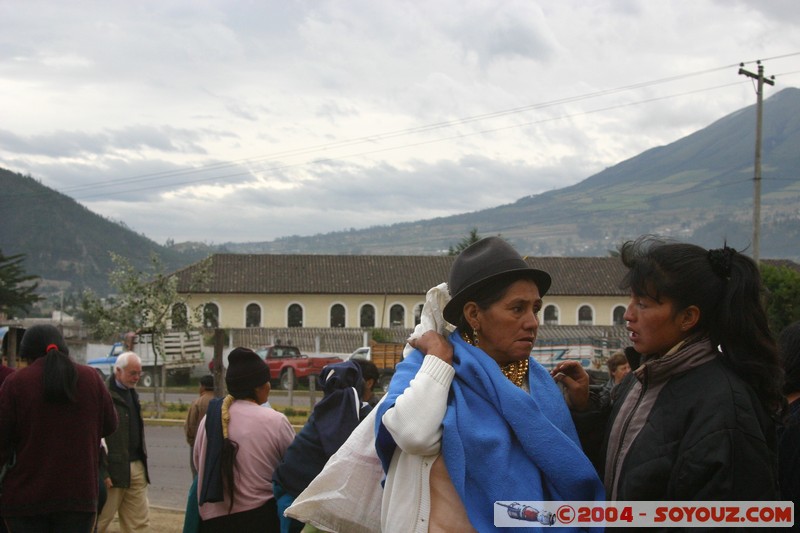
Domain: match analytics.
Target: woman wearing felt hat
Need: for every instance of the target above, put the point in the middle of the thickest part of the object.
(477, 420)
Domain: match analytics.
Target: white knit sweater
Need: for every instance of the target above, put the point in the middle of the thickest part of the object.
(415, 423)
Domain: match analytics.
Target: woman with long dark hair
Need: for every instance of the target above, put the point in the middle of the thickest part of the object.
(53, 414)
(239, 443)
(695, 420)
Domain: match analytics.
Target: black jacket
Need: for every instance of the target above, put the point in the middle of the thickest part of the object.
(118, 463)
(706, 437)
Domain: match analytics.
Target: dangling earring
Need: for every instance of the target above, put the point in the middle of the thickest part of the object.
(475, 339)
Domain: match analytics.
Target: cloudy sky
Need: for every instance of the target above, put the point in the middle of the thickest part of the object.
(226, 120)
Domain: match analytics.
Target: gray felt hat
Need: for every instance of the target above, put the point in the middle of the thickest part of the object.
(482, 262)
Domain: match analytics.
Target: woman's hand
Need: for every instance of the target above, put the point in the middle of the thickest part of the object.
(576, 381)
(433, 343)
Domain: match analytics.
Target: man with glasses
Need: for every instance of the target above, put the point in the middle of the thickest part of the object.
(126, 472)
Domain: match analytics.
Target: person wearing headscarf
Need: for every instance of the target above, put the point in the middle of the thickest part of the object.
(53, 414)
(238, 445)
(477, 420)
(331, 422)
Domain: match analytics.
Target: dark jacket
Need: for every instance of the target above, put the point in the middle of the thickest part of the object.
(119, 453)
(789, 454)
(705, 437)
(305, 458)
(331, 422)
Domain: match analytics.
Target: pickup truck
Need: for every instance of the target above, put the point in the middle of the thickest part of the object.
(385, 355)
(287, 363)
(179, 353)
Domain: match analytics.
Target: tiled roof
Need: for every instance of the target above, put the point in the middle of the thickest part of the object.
(391, 274)
(384, 274)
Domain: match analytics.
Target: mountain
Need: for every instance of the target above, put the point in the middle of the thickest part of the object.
(67, 245)
(699, 188)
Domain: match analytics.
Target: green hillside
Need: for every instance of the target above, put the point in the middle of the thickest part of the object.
(65, 244)
(698, 188)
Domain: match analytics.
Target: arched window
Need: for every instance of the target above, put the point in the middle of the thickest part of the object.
(252, 316)
(585, 316)
(294, 316)
(618, 316)
(367, 319)
(417, 314)
(180, 319)
(211, 315)
(337, 316)
(551, 315)
(397, 315)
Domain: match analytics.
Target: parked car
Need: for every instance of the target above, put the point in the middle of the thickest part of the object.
(286, 363)
(179, 353)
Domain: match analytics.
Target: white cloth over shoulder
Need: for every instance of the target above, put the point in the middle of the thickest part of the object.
(346, 496)
(432, 317)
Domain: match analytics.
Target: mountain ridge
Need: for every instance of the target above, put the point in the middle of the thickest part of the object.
(682, 188)
(698, 188)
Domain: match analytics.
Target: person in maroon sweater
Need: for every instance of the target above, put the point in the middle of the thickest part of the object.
(4, 373)
(52, 415)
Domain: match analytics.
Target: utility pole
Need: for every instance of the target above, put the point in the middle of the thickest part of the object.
(757, 172)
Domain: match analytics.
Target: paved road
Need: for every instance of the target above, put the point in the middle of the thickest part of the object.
(168, 453)
(168, 462)
(300, 399)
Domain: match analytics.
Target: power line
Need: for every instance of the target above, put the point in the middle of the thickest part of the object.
(145, 178)
(410, 145)
(396, 133)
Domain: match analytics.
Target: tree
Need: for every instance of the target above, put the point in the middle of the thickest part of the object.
(144, 300)
(17, 289)
(783, 296)
(472, 238)
(144, 303)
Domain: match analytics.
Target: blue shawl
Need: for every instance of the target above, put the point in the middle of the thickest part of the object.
(211, 489)
(500, 443)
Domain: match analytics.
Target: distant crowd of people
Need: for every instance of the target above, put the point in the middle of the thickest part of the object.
(704, 405)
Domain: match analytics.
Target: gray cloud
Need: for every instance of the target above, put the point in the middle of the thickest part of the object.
(131, 138)
(250, 121)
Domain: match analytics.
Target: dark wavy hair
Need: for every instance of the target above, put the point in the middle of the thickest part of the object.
(726, 287)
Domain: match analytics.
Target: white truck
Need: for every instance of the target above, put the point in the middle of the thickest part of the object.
(180, 353)
(385, 355)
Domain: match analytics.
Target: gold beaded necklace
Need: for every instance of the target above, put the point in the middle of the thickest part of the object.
(516, 372)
